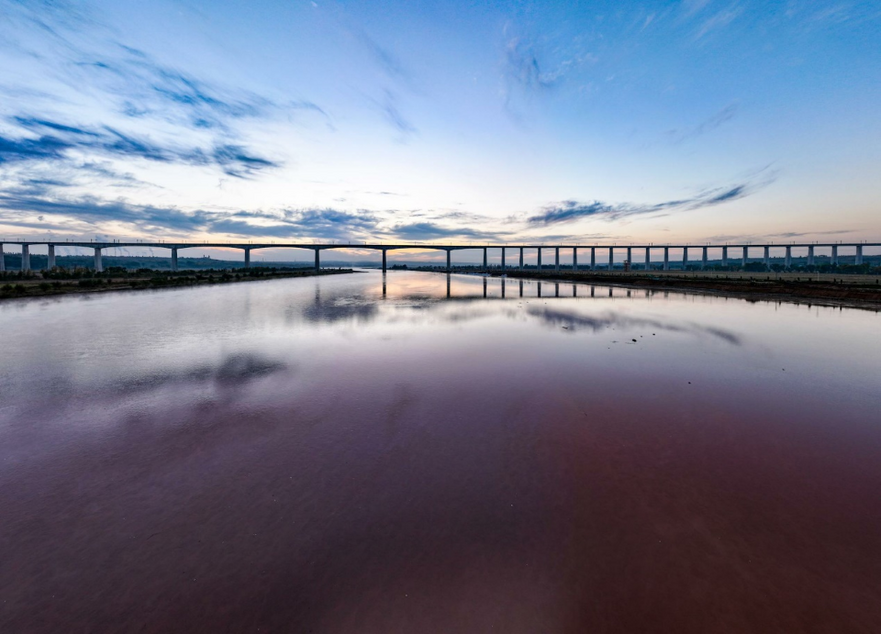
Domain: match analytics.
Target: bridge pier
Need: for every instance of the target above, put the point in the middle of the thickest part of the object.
(50, 263)
(99, 267)
(25, 258)
(484, 259)
(556, 258)
(539, 259)
(684, 258)
(767, 258)
(648, 258)
(704, 258)
(247, 257)
(174, 258)
(666, 258)
(630, 256)
(834, 254)
(811, 255)
(593, 258)
(521, 261)
(725, 256)
(574, 258)
(449, 268)
(503, 268)
(788, 259)
(611, 258)
(317, 260)
(744, 257)
(858, 259)
(2, 258)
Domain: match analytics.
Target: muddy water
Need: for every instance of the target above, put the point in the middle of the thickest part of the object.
(340, 455)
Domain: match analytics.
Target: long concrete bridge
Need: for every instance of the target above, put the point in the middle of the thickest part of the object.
(730, 253)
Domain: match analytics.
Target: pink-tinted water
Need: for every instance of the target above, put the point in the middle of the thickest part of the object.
(318, 455)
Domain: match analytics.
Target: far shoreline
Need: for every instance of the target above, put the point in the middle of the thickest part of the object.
(845, 291)
(64, 283)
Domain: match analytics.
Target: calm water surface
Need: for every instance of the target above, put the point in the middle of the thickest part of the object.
(326, 455)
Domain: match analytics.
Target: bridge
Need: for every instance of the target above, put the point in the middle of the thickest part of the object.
(608, 254)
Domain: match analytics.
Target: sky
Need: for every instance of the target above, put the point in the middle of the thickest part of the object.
(438, 122)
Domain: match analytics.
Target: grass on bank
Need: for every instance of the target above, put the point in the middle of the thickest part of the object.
(79, 280)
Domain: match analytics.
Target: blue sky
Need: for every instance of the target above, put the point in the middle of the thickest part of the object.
(595, 122)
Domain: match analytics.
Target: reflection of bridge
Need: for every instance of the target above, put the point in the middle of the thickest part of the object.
(624, 252)
(542, 289)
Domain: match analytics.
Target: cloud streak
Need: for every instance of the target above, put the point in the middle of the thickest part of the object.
(571, 210)
(56, 141)
(327, 224)
(717, 120)
(432, 231)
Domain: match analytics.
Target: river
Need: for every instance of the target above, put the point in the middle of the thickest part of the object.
(423, 453)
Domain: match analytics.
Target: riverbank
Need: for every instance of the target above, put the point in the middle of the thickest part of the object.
(853, 291)
(13, 285)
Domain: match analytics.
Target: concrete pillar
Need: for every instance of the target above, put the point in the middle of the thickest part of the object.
(834, 254)
(484, 258)
(2, 258)
(744, 257)
(858, 259)
(611, 258)
(247, 257)
(503, 268)
(648, 258)
(630, 256)
(684, 258)
(767, 258)
(556, 258)
(788, 261)
(811, 255)
(666, 258)
(99, 267)
(50, 264)
(704, 258)
(724, 256)
(25, 258)
(539, 259)
(384, 261)
(174, 259)
(449, 267)
(574, 259)
(317, 259)
(593, 258)
(521, 267)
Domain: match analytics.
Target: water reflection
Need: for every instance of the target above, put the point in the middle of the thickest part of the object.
(469, 302)
(235, 369)
(437, 453)
(574, 322)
